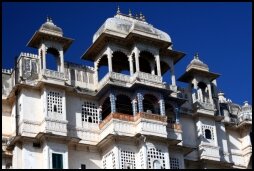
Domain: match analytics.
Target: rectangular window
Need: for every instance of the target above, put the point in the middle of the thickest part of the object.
(83, 166)
(57, 161)
(174, 163)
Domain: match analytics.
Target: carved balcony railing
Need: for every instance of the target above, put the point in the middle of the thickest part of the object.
(54, 74)
(146, 77)
(141, 123)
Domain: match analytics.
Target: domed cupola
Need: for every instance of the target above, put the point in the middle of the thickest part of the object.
(50, 28)
(246, 108)
(197, 64)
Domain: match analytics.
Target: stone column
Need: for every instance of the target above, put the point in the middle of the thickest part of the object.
(157, 59)
(140, 101)
(210, 93)
(61, 69)
(99, 113)
(177, 114)
(134, 107)
(109, 55)
(173, 79)
(136, 52)
(162, 106)
(112, 98)
(44, 51)
(152, 69)
(131, 64)
(96, 79)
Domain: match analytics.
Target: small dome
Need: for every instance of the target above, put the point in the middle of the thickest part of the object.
(197, 64)
(246, 108)
(122, 25)
(50, 28)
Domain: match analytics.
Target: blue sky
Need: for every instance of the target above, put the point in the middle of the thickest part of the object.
(220, 32)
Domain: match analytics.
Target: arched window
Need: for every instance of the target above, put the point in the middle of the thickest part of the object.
(146, 61)
(123, 104)
(102, 67)
(52, 59)
(208, 134)
(156, 164)
(150, 104)
(120, 63)
(106, 108)
(165, 72)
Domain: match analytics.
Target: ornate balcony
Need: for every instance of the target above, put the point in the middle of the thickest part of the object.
(141, 123)
(128, 81)
(54, 75)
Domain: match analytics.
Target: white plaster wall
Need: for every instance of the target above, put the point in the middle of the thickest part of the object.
(234, 141)
(31, 108)
(92, 160)
(6, 125)
(189, 132)
(32, 156)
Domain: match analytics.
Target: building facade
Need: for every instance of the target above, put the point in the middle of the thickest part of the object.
(120, 113)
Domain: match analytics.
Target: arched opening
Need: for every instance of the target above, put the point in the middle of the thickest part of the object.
(157, 164)
(123, 104)
(102, 67)
(150, 104)
(146, 61)
(53, 59)
(170, 113)
(120, 63)
(208, 134)
(134, 63)
(204, 91)
(165, 72)
(106, 108)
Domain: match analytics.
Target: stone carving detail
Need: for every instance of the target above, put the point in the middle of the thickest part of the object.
(54, 74)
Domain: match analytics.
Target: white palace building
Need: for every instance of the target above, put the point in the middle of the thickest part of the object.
(130, 118)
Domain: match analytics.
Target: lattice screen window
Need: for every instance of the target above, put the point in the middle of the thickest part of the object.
(85, 79)
(109, 161)
(154, 156)
(128, 160)
(205, 131)
(174, 163)
(141, 159)
(89, 113)
(54, 102)
(90, 75)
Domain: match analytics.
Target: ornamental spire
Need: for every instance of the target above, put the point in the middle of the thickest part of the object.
(130, 13)
(196, 56)
(118, 10)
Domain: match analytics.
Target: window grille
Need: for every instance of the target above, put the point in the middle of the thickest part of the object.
(208, 132)
(109, 161)
(128, 160)
(89, 113)
(54, 102)
(153, 155)
(174, 163)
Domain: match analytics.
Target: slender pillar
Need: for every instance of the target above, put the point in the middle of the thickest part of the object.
(131, 64)
(177, 114)
(152, 69)
(157, 58)
(162, 106)
(173, 79)
(109, 55)
(112, 102)
(96, 79)
(210, 93)
(136, 52)
(61, 69)
(134, 107)
(44, 51)
(140, 101)
(99, 113)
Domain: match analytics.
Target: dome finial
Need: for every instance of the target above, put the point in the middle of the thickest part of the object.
(130, 13)
(118, 10)
(47, 18)
(196, 56)
(141, 16)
